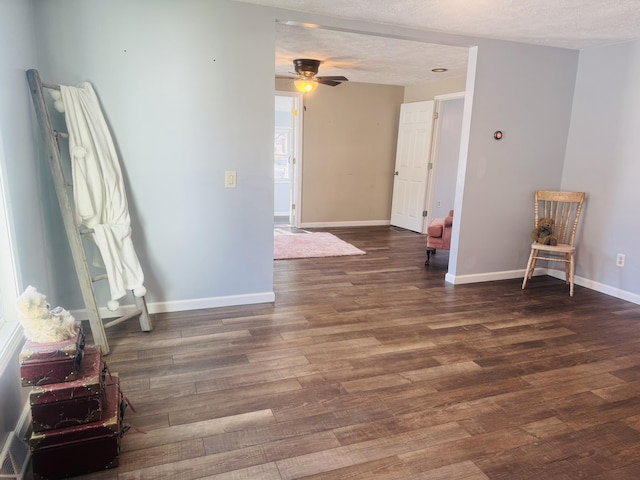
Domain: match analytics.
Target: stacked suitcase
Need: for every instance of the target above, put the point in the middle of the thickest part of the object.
(77, 408)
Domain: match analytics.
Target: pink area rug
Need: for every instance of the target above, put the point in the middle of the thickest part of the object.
(308, 245)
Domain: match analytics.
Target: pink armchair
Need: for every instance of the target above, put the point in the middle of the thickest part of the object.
(439, 235)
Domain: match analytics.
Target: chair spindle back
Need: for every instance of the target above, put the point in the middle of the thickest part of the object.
(564, 208)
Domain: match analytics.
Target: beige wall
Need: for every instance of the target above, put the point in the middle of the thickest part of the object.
(418, 93)
(349, 146)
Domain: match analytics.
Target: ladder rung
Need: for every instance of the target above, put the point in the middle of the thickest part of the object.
(50, 86)
(86, 231)
(124, 318)
(97, 278)
(61, 134)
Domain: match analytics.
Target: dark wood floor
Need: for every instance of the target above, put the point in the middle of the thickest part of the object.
(372, 367)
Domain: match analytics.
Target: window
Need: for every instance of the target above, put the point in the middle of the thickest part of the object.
(8, 284)
(282, 154)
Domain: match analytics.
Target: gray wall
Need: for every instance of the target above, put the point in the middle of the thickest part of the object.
(26, 181)
(525, 91)
(187, 88)
(24, 187)
(602, 159)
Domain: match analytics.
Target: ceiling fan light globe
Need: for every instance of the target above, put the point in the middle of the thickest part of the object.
(305, 85)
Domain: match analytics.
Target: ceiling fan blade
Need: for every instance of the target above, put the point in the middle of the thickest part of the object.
(337, 78)
(331, 83)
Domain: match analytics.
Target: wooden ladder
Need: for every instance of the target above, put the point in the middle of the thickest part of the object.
(52, 140)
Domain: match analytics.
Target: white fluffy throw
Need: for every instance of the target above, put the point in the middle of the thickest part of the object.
(99, 193)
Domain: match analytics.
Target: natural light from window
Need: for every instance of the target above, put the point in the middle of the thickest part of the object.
(8, 283)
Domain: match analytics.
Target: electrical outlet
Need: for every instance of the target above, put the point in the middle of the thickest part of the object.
(230, 179)
(620, 260)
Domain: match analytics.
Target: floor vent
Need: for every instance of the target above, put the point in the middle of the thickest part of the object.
(14, 458)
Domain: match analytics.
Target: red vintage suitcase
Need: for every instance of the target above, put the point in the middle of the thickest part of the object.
(86, 448)
(78, 401)
(55, 362)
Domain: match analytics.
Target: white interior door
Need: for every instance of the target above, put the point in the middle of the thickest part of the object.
(412, 165)
(287, 148)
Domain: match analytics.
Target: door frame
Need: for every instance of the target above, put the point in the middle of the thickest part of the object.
(295, 213)
(435, 147)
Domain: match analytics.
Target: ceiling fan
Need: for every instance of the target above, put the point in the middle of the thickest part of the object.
(307, 69)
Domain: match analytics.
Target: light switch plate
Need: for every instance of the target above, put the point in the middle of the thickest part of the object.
(230, 179)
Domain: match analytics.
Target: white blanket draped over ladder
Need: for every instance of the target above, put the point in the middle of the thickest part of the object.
(98, 190)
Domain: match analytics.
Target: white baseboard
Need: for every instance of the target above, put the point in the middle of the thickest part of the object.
(11, 339)
(212, 302)
(490, 276)
(15, 453)
(506, 275)
(184, 305)
(600, 287)
(360, 223)
(23, 426)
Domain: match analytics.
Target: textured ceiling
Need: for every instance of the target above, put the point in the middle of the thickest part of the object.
(562, 23)
(367, 59)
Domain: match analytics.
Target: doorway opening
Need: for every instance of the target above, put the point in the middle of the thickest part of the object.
(446, 154)
(287, 148)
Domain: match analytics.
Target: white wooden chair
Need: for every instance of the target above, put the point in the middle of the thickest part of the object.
(564, 208)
